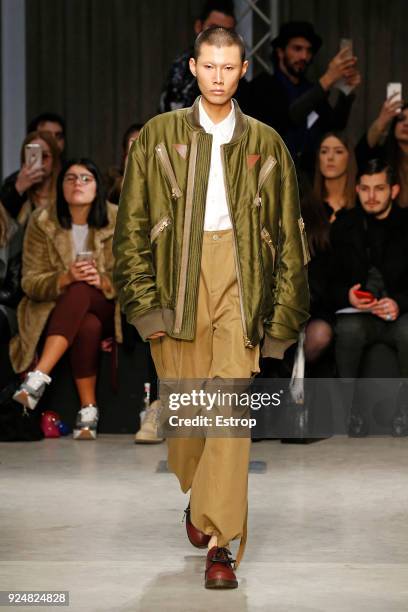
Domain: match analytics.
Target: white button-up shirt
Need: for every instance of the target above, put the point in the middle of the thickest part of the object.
(216, 209)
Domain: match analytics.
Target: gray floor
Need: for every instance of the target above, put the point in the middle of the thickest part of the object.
(328, 528)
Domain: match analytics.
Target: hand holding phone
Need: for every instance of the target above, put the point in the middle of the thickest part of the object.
(32, 172)
(394, 95)
(346, 43)
(363, 300)
(33, 156)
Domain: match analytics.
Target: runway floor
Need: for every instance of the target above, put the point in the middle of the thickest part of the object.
(328, 528)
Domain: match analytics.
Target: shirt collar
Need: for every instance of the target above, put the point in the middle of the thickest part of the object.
(224, 127)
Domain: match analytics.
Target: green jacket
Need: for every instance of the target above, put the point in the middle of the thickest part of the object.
(158, 237)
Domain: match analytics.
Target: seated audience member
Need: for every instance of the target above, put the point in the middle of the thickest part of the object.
(114, 179)
(69, 297)
(41, 193)
(319, 328)
(15, 188)
(387, 138)
(296, 108)
(370, 255)
(10, 269)
(147, 433)
(181, 89)
(335, 174)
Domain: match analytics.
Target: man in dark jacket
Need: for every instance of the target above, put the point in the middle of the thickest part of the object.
(181, 89)
(370, 274)
(298, 109)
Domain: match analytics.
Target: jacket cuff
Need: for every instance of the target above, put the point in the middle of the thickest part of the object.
(149, 323)
(275, 348)
(107, 287)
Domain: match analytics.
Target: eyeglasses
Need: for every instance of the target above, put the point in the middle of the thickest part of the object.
(82, 178)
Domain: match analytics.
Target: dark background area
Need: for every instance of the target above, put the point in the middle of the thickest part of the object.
(102, 63)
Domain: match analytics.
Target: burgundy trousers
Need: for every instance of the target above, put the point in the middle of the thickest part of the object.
(84, 316)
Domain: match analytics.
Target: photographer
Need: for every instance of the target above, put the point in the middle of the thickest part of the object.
(17, 187)
(296, 108)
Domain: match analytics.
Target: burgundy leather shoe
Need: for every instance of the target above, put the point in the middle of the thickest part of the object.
(218, 572)
(196, 537)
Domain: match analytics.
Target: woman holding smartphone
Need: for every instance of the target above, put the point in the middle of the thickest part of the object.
(39, 181)
(387, 138)
(69, 297)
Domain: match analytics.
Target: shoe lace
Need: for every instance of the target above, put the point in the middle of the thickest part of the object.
(151, 415)
(186, 514)
(35, 380)
(88, 413)
(223, 555)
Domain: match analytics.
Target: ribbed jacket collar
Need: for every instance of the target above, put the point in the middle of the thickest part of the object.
(241, 121)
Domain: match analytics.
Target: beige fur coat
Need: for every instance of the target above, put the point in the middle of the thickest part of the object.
(48, 252)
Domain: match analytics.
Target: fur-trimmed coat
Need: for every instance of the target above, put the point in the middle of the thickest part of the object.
(47, 253)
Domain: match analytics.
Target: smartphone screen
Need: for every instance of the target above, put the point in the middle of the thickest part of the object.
(33, 155)
(347, 43)
(84, 256)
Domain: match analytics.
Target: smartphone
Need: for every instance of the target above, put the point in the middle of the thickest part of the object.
(363, 295)
(33, 155)
(85, 256)
(394, 88)
(347, 43)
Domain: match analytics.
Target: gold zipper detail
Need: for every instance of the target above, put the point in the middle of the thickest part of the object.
(266, 237)
(305, 246)
(247, 341)
(168, 170)
(159, 227)
(181, 296)
(264, 172)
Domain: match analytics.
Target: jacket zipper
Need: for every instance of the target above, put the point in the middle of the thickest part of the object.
(266, 237)
(159, 227)
(168, 170)
(264, 172)
(305, 246)
(247, 341)
(181, 296)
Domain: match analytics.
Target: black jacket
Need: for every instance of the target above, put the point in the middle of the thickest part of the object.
(9, 196)
(268, 102)
(351, 258)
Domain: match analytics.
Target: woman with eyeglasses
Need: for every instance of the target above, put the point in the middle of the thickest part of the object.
(387, 138)
(69, 298)
(39, 184)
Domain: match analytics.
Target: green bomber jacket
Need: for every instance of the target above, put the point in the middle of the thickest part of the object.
(158, 236)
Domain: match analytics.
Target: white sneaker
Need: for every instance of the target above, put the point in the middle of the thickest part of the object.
(31, 390)
(147, 433)
(86, 423)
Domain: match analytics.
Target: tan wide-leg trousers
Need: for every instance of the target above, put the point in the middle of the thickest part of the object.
(216, 469)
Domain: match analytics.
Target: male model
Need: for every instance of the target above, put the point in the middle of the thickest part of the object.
(210, 259)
